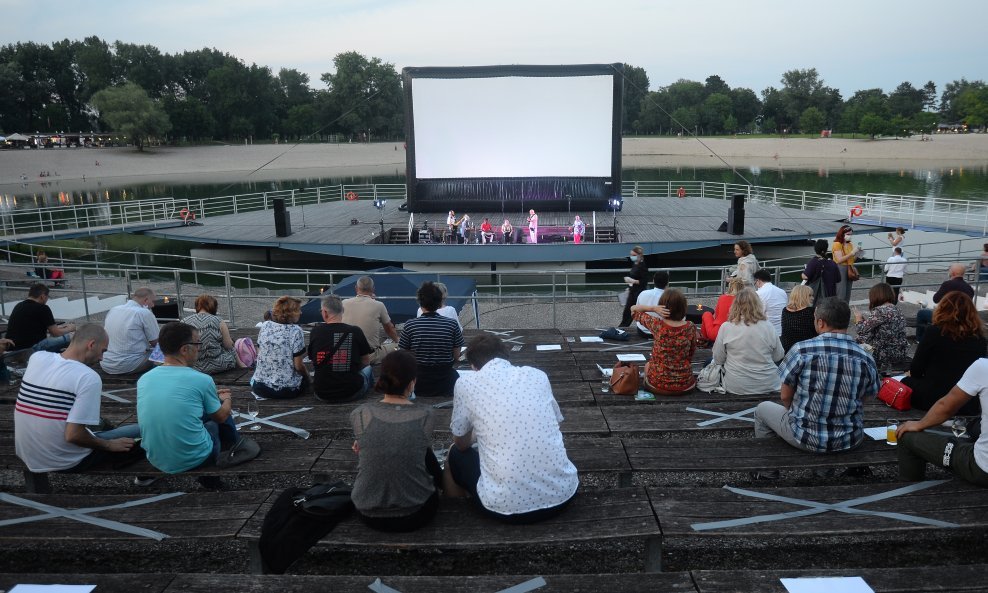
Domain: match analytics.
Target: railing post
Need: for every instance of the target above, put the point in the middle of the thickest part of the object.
(293, 197)
(229, 297)
(553, 300)
(129, 282)
(318, 194)
(137, 266)
(178, 291)
(85, 296)
(195, 270)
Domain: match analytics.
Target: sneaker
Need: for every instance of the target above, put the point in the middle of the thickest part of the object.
(144, 481)
(19, 371)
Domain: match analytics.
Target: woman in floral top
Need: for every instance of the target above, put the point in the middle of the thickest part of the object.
(885, 330)
(280, 372)
(670, 371)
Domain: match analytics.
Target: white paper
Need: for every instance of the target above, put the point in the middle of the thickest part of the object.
(605, 372)
(591, 339)
(631, 357)
(827, 585)
(544, 347)
(877, 433)
(52, 588)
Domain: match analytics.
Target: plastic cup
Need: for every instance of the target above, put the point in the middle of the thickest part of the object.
(891, 426)
(605, 385)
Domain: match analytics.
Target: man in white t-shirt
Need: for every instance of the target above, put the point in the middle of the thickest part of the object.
(651, 297)
(518, 472)
(773, 298)
(133, 331)
(59, 396)
(968, 461)
(895, 270)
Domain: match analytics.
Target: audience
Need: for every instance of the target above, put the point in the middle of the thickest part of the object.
(280, 372)
(885, 330)
(773, 299)
(968, 461)
(895, 270)
(519, 471)
(133, 332)
(340, 355)
(710, 322)
(635, 281)
(954, 282)
(436, 341)
(59, 397)
(747, 348)
(398, 475)
(825, 381)
(821, 274)
(185, 421)
(797, 317)
(371, 316)
(951, 345)
(651, 297)
(216, 353)
(32, 324)
(670, 369)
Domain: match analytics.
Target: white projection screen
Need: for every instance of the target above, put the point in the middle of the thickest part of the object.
(536, 135)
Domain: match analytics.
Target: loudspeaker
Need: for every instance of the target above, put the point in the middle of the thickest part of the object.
(282, 219)
(735, 221)
(737, 202)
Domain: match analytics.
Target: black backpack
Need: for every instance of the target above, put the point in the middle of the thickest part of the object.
(298, 519)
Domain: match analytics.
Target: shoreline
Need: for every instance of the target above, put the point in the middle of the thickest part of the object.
(77, 169)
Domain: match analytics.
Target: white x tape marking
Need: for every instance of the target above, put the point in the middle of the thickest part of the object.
(722, 417)
(111, 394)
(537, 583)
(267, 420)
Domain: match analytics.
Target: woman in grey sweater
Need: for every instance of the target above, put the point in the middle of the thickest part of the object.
(398, 475)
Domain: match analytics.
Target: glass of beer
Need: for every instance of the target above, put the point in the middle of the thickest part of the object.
(891, 426)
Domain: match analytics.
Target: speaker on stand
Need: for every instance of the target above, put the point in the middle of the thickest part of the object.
(735, 215)
(282, 218)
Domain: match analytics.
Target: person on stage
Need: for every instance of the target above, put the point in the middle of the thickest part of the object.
(506, 232)
(533, 227)
(579, 228)
(451, 226)
(466, 228)
(486, 232)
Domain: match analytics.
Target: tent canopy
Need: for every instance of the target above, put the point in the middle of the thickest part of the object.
(387, 283)
(17, 138)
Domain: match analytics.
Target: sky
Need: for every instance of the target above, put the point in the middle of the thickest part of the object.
(853, 44)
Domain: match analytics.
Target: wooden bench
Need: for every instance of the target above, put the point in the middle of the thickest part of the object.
(923, 579)
(594, 521)
(881, 524)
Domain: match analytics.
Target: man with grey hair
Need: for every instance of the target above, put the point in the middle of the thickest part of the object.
(133, 331)
(340, 354)
(371, 316)
(825, 381)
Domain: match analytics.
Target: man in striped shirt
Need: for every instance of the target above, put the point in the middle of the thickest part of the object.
(59, 397)
(824, 383)
(436, 342)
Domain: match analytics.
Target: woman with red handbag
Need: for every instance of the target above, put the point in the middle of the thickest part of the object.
(949, 346)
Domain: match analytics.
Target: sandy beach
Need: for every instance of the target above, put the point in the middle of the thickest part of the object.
(219, 164)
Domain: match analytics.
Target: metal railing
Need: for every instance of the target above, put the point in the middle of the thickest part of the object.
(551, 287)
(945, 213)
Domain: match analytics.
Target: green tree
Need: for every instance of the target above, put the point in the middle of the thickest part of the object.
(873, 125)
(900, 126)
(715, 109)
(730, 124)
(972, 107)
(684, 120)
(367, 93)
(128, 110)
(930, 96)
(746, 107)
(654, 114)
(906, 100)
(924, 122)
(811, 120)
(635, 90)
(951, 92)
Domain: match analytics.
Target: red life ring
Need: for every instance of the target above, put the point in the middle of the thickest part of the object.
(857, 210)
(187, 215)
(351, 196)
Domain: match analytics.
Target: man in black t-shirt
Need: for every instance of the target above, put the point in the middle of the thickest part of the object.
(340, 354)
(32, 321)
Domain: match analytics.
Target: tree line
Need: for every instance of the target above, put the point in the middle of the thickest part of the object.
(207, 95)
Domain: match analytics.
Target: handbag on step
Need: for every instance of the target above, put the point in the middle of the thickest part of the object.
(896, 394)
(624, 378)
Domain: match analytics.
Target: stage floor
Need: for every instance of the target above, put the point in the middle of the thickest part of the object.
(659, 225)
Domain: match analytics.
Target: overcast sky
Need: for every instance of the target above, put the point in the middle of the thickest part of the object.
(853, 44)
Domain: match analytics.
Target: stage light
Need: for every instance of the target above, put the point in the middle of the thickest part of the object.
(380, 204)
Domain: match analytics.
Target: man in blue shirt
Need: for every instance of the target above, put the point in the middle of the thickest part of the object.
(824, 383)
(185, 417)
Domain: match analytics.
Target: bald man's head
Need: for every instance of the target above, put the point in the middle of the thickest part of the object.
(957, 270)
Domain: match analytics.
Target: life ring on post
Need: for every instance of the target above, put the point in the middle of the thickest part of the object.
(187, 216)
(351, 196)
(857, 210)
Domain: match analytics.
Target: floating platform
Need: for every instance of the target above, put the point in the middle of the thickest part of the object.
(659, 225)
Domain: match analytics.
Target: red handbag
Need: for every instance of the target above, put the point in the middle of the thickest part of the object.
(896, 394)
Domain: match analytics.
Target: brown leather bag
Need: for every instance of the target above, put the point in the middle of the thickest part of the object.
(852, 274)
(624, 378)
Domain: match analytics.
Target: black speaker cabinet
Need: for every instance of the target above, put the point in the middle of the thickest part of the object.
(735, 221)
(737, 202)
(282, 219)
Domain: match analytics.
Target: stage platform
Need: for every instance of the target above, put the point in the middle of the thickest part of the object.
(659, 225)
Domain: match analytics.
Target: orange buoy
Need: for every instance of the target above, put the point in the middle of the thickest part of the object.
(351, 195)
(857, 210)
